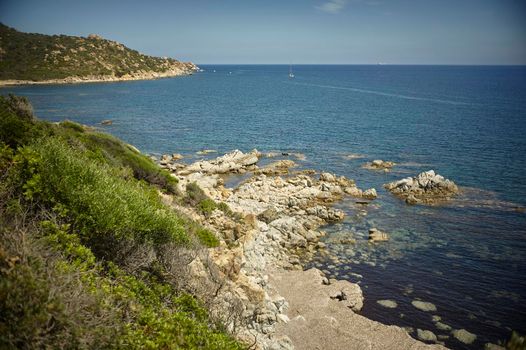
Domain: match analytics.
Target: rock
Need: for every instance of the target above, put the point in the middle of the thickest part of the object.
(376, 235)
(95, 37)
(426, 188)
(230, 162)
(464, 336)
(426, 335)
(348, 293)
(378, 164)
(391, 304)
(369, 194)
(442, 326)
(353, 191)
(177, 156)
(424, 306)
(269, 215)
(328, 177)
(491, 346)
(277, 168)
(106, 122)
(206, 151)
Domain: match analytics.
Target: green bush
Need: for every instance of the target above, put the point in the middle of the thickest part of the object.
(72, 125)
(117, 153)
(15, 129)
(207, 206)
(98, 203)
(194, 194)
(43, 306)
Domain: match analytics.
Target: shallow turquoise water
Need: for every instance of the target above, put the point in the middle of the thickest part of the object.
(467, 123)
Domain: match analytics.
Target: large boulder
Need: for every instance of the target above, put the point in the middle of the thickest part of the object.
(426, 188)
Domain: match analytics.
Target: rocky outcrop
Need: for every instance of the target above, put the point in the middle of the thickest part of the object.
(345, 185)
(275, 227)
(425, 188)
(379, 164)
(235, 161)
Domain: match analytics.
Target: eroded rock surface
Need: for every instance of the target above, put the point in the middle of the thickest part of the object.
(317, 321)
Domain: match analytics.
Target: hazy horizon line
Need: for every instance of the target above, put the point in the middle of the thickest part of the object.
(366, 64)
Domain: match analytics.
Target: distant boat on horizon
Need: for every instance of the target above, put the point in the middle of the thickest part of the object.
(291, 75)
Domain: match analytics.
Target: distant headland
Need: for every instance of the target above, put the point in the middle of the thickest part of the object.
(30, 58)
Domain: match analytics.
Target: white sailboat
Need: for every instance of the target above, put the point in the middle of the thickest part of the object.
(291, 75)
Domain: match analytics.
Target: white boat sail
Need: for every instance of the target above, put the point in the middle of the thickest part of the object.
(291, 75)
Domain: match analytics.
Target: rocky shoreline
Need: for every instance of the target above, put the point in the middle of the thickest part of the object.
(178, 70)
(271, 224)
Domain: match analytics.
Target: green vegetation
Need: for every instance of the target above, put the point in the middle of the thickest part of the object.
(196, 197)
(87, 248)
(30, 56)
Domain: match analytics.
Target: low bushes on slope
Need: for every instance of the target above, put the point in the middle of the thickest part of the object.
(86, 245)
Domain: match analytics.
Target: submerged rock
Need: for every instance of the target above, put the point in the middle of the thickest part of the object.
(206, 151)
(425, 188)
(379, 164)
(442, 326)
(391, 304)
(423, 305)
(426, 335)
(464, 336)
(376, 235)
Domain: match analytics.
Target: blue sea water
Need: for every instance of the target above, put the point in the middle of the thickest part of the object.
(467, 123)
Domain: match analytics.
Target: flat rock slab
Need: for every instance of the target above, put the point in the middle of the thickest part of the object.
(319, 322)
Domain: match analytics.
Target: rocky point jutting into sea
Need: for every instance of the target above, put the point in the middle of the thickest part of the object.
(61, 59)
(279, 215)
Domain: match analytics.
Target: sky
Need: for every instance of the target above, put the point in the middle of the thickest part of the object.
(292, 31)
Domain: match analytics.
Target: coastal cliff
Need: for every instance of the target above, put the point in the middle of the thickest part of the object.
(30, 58)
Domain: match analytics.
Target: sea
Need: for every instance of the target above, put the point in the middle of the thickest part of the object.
(468, 123)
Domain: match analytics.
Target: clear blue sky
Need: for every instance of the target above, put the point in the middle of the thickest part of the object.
(298, 31)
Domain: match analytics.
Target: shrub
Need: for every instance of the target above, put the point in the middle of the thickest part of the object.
(72, 125)
(15, 129)
(194, 194)
(207, 206)
(20, 106)
(43, 306)
(100, 205)
(117, 153)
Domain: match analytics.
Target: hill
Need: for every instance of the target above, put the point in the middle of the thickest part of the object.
(31, 57)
